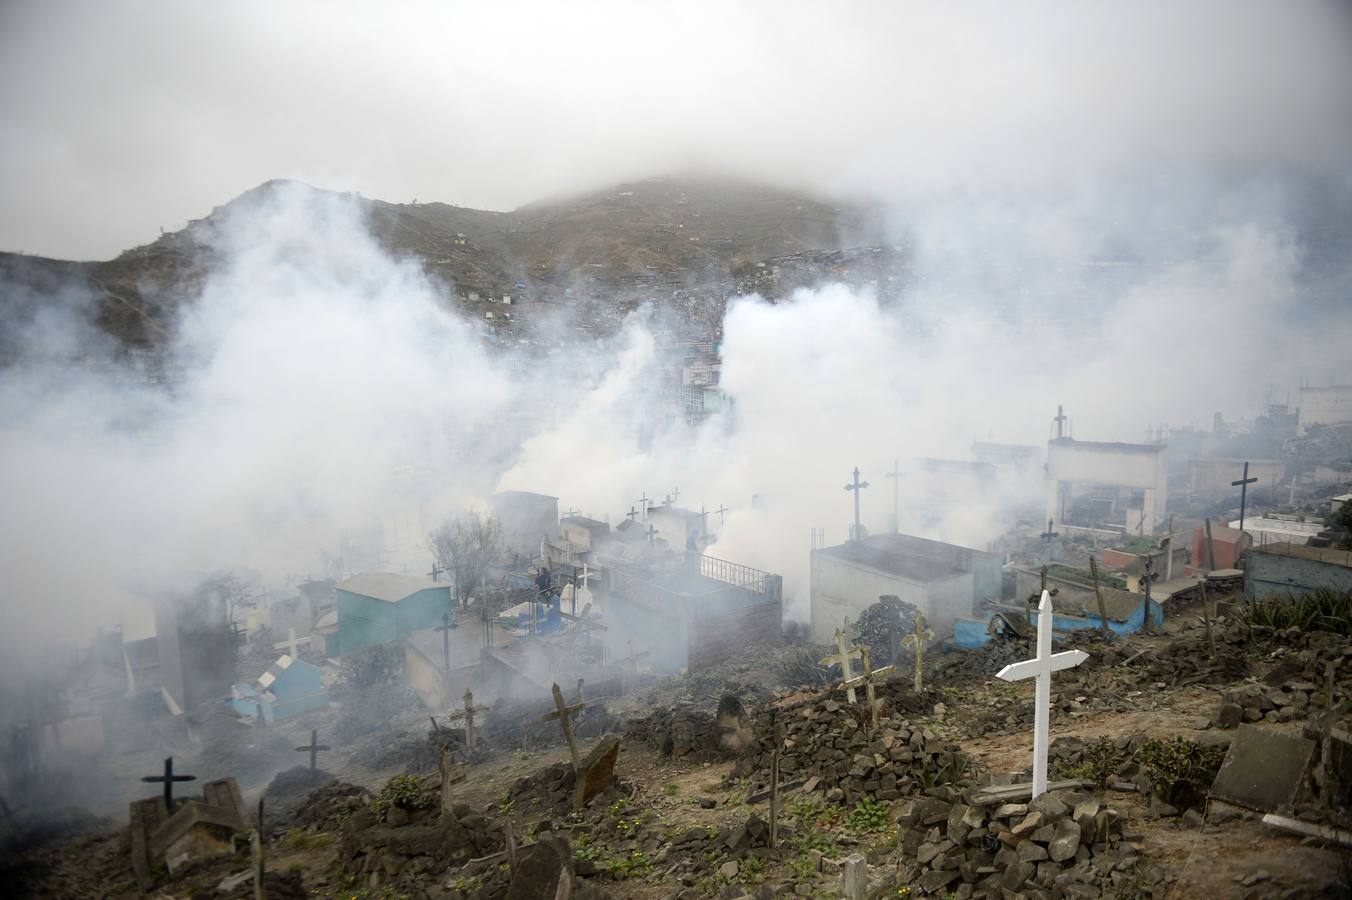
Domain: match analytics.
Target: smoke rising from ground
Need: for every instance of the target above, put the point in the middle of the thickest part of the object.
(324, 391)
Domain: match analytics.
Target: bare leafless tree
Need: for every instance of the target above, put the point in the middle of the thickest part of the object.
(467, 546)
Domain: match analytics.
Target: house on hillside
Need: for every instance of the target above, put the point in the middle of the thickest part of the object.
(378, 607)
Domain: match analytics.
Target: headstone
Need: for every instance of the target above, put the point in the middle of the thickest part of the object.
(1263, 769)
(597, 771)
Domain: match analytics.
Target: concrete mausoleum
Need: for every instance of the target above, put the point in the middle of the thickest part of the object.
(944, 581)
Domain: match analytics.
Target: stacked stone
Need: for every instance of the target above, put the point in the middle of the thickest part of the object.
(1257, 703)
(1063, 844)
(325, 808)
(413, 845)
(516, 724)
(829, 747)
(679, 732)
(1188, 660)
(693, 853)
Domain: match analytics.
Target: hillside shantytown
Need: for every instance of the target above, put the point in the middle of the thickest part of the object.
(791, 503)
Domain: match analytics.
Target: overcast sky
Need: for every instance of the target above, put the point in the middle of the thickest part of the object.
(117, 118)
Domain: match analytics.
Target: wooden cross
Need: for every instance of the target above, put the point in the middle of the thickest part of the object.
(313, 748)
(722, 514)
(844, 654)
(917, 639)
(866, 678)
(856, 486)
(292, 643)
(1098, 594)
(564, 713)
(445, 629)
(1041, 668)
(168, 779)
(652, 535)
(1048, 535)
(436, 572)
(571, 512)
(632, 514)
(643, 505)
(468, 715)
(449, 776)
(1059, 419)
(675, 495)
(1243, 485)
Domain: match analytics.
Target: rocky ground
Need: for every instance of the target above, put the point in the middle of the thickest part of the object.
(909, 806)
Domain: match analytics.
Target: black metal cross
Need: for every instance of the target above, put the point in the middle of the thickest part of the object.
(722, 513)
(652, 534)
(445, 629)
(632, 514)
(1049, 534)
(435, 574)
(168, 779)
(313, 748)
(1243, 485)
(1060, 419)
(856, 486)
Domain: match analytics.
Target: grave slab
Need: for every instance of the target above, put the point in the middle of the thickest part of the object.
(1263, 769)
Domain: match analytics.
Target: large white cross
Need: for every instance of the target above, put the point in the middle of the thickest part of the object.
(292, 643)
(1041, 667)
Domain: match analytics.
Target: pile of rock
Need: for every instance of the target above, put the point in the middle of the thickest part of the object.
(551, 790)
(683, 731)
(516, 724)
(829, 747)
(693, 853)
(1256, 703)
(326, 808)
(413, 845)
(1184, 661)
(1063, 844)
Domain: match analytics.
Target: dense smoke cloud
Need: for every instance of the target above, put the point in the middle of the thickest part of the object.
(119, 118)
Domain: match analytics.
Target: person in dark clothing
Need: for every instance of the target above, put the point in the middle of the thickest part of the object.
(542, 581)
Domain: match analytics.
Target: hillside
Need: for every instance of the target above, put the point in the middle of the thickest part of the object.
(658, 239)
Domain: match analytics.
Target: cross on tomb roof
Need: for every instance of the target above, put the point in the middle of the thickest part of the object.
(1243, 485)
(168, 779)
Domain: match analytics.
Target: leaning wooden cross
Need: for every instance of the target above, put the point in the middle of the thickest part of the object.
(918, 639)
(1041, 667)
(564, 713)
(468, 715)
(313, 748)
(867, 678)
(449, 776)
(843, 657)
